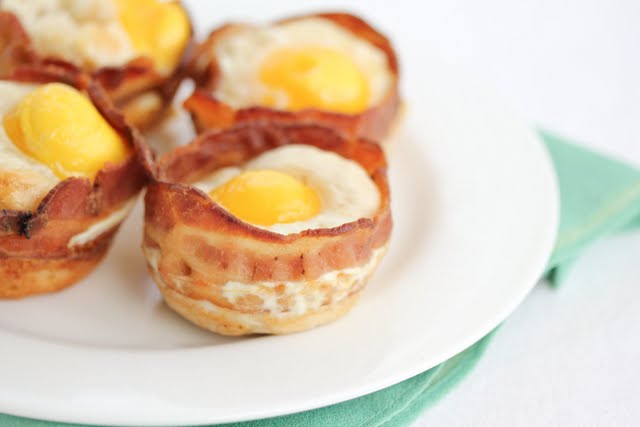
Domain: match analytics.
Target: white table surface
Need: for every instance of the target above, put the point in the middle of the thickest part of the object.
(569, 356)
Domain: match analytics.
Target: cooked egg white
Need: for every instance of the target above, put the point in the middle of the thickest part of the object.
(84, 32)
(306, 63)
(99, 33)
(107, 223)
(344, 191)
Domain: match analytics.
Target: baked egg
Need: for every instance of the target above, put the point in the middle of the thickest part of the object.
(294, 188)
(105, 33)
(48, 133)
(309, 63)
(330, 69)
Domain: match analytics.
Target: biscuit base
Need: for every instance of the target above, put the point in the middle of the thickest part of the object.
(22, 277)
(229, 322)
(25, 276)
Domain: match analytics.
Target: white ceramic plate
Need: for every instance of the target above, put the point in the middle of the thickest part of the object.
(475, 206)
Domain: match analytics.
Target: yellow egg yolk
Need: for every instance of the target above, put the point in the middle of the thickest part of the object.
(159, 30)
(60, 127)
(267, 197)
(315, 77)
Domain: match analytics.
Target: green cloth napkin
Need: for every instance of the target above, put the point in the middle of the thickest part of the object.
(598, 196)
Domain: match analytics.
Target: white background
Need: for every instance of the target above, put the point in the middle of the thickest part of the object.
(569, 356)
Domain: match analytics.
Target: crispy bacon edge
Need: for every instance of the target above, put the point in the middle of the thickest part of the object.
(171, 203)
(124, 85)
(208, 112)
(34, 256)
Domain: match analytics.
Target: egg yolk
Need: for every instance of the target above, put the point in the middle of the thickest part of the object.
(159, 30)
(267, 197)
(60, 127)
(315, 77)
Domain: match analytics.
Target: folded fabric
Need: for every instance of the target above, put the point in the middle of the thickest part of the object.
(599, 196)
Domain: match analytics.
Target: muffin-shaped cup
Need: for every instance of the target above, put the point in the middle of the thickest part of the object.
(233, 278)
(378, 122)
(47, 249)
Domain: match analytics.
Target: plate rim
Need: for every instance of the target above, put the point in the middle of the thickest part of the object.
(535, 271)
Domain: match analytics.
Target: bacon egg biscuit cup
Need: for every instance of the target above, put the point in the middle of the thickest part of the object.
(69, 232)
(378, 122)
(137, 88)
(197, 251)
